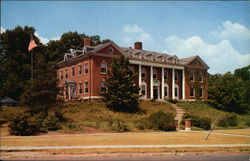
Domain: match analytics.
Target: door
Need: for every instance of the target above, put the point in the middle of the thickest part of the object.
(156, 92)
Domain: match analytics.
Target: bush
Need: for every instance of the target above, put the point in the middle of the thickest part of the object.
(202, 122)
(228, 120)
(171, 100)
(23, 124)
(161, 121)
(120, 126)
(51, 122)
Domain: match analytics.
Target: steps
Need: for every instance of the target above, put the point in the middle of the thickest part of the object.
(179, 114)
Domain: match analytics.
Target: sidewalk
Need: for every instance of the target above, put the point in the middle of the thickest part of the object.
(119, 146)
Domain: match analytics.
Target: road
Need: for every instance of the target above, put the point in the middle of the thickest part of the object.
(192, 157)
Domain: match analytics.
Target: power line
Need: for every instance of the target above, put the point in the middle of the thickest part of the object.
(198, 14)
(225, 6)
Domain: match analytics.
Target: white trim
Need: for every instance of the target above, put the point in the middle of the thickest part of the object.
(173, 84)
(144, 84)
(162, 83)
(155, 64)
(176, 86)
(166, 85)
(140, 76)
(106, 67)
(151, 83)
(80, 65)
(183, 84)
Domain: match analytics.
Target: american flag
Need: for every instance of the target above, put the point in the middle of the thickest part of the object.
(32, 45)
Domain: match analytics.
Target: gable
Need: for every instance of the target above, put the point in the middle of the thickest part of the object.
(110, 50)
(198, 62)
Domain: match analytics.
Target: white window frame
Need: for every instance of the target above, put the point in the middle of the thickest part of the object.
(61, 74)
(191, 73)
(200, 73)
(192, 88)
(86, 87)
(144, 84)
(102, 85)
(166, 86)
(80, 88)
(80, 69)
(86, 67)
(106, 66)
(201, 96)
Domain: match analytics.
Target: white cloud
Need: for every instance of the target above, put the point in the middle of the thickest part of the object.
(132, 28)
(2, 29)
(232, 31)
(135, 33)
(45, 40)
(221, 57)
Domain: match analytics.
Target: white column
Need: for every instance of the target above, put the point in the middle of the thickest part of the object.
(183, 84)
(162, 83)
(151, 83)
(173, 84)
(140, 75)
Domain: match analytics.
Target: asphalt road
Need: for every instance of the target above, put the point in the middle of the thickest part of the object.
(208, 157)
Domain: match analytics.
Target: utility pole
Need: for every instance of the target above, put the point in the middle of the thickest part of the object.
(212, 126)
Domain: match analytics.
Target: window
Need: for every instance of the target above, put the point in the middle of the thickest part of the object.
(66, 73)
(103, 87)
(191, 76)
(110, 50)
(155, 74)
(201, 92)
(103, 67)
(143, 72)
(192, 92)
(80, 69)
(80, 88)
(61, 74)
(166, 91)
(200, 77)
(86, 88)
(73, 71)
(86, 68)
(175, 75)
(165, 74)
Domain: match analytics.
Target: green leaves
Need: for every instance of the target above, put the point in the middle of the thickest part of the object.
(122, 94)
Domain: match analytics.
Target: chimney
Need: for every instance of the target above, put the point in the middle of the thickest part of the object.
(138, 45)
(86, 41)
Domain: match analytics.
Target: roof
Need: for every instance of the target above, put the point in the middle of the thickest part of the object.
(136, 54)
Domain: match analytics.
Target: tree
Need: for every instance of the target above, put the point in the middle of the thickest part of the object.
(121, 94)
(15, 60)
(40, 94)
(227, 92)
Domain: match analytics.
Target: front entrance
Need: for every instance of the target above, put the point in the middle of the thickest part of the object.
(156, 92)
(72, 91)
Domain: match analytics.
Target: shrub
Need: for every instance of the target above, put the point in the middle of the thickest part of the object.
(171, 100)
(120, 126)
(51, 122)
(228, 120)
(202, 122)
(23, 124)
(161, 121)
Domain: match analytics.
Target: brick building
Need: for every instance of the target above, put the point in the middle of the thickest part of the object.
(82, 72)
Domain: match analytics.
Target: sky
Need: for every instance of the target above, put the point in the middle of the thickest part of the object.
(217, 31)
